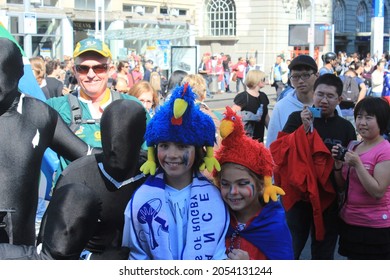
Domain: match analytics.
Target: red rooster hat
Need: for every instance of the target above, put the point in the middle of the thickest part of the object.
(236, 147)
(240, 149)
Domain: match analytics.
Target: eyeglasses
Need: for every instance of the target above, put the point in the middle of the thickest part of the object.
(303, 76)
(329, 97)
(98, 69)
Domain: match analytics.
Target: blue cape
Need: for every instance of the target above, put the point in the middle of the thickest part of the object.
(269, 233)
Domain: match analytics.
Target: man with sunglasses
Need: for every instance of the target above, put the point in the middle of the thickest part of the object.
(92, 58)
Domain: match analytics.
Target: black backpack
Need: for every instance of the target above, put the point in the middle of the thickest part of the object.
(350, 90)
(76, 113)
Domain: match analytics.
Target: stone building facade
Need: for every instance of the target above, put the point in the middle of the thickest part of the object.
(259, 28)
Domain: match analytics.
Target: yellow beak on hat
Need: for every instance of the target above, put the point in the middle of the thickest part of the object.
(226, 127)
(179, 108)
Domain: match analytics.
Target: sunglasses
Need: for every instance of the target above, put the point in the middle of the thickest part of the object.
(98, 69)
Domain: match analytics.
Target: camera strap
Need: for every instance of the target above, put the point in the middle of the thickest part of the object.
(344, 194)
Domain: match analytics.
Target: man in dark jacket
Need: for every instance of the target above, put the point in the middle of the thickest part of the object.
(303, 215)
(54, 86)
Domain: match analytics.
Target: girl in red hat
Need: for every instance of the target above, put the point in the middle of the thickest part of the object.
(258, 228)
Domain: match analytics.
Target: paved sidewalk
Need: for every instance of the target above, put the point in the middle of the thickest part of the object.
(270, 91)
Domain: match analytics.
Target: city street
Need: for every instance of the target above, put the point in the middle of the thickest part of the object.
(220, 101)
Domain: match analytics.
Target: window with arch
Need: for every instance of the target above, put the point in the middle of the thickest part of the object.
(361, 17)
(339, 16)
(299, 11)
(221, 16)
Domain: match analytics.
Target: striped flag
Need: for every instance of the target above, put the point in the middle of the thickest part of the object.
(29, 85)
(386, 87)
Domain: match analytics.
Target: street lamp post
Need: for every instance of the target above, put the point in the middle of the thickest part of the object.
(27, 40)
(312, 28)
(99, 33)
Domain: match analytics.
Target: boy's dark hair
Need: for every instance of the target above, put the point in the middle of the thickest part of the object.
(51, 66)
(331, 80)
(200, 153)
(375, 106)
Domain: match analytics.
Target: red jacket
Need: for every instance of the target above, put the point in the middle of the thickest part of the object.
(303, 168)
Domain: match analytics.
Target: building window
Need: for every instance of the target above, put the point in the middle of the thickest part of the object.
(89, 4)
(361, 17)
(339, 16)
(221, 17)
(164, 10)
(14, 1)
(38, 3)
(84, 4)
(299, 11)
(139, 9)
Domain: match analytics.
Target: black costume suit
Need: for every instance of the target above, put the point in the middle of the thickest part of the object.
(123, 126)
(28, 127)
(72, 217)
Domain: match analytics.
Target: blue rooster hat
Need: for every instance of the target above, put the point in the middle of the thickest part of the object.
(180, 120)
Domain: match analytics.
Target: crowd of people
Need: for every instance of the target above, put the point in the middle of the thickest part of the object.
(312, 140)
(148, 171)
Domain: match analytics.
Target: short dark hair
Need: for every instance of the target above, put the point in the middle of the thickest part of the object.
(375, 106)
(176, 78)
(330, 80)
(51, 66)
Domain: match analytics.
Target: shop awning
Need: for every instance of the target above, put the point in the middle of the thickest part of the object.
(151, 30)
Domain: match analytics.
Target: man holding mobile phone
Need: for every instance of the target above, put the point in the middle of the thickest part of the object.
(311, 206)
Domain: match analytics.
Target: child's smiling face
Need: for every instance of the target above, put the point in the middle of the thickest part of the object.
(176, 159)
(239, 189)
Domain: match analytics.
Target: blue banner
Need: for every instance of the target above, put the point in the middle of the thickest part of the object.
(378, 8)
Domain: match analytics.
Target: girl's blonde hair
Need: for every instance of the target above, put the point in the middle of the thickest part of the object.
(253, 77)
(197, 84)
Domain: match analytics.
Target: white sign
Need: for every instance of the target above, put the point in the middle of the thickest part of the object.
(30, 23)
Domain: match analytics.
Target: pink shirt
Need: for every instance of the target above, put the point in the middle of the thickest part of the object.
(361, 209)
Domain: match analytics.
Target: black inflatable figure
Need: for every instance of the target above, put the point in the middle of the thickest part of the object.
(72, 217)
(113, 174)
(27, 128)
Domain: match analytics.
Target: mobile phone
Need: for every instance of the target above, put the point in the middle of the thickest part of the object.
(316, 112)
